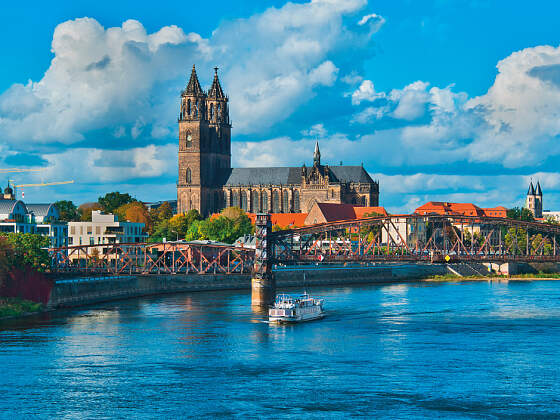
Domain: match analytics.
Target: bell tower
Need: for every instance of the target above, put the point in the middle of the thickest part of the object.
(204, 146)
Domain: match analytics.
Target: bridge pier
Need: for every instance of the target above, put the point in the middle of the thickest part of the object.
(263, 284)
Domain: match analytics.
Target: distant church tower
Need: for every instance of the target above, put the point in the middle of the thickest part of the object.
(534, 200)
(204, 146)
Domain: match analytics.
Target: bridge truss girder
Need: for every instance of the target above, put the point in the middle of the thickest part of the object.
(160, 258)
(430, 238)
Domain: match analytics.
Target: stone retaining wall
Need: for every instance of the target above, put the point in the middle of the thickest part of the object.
(82, 292)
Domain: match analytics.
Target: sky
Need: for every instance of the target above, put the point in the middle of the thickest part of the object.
(441, 100)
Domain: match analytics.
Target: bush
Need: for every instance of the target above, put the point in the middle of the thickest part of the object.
(25, 250)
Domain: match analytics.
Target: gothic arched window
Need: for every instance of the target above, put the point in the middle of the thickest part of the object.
(364, 201)
(264, 198)
(189, 107)
(285, 203)
(219, 110)
(275, 202)
(235, 199)
(189, 140)
(196, 109)
(188, 176)
(211, 111)
(296, 201)
(255, 207)
(244, 200)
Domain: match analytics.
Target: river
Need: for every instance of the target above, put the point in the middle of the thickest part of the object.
(451, 350)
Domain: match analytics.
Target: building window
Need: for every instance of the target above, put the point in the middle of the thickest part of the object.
(189, 140)
(235, 199)
(188, 176)
(189, 107)
(255, 207)
(285, 203)
(196, 109)
(264, 198)
(211, 111)
(332, 193)
(244, 200)
(275, 202)
(296, 201)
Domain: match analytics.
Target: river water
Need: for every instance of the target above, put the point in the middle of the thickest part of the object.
(431, 350)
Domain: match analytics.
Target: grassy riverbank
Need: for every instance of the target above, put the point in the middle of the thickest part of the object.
(530, 276)
(16, 307)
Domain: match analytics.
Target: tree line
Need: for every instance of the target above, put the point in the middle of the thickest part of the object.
(160, 222)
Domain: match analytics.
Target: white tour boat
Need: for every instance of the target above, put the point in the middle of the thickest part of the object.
(288, 308)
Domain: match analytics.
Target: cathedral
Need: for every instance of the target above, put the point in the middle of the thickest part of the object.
(208, 183)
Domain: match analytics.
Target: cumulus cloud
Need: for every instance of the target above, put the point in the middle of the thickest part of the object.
(97, 77)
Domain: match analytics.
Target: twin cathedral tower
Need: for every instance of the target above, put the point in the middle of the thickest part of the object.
(208, 183)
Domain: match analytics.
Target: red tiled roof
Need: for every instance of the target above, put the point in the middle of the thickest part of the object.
(463, 209)
(361, 212)
(283, 219)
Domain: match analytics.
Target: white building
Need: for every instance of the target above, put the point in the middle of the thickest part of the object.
(105, 229)
(41, 219)
(554, 215)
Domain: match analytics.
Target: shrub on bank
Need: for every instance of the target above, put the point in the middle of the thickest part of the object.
(17, 307)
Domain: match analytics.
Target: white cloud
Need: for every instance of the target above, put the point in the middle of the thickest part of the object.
(98, 77)
(366, 92)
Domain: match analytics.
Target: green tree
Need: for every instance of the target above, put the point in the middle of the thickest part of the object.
(67, 210)
(113, 200)
(516, 240)
(163, 212)
(518, 213)
(176, 227)
(28, 250)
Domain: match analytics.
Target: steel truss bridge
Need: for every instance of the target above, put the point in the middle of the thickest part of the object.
(156, 258)
(410, 238)
(429, 238)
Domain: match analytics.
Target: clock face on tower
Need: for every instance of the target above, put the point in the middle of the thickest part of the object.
(189, 140)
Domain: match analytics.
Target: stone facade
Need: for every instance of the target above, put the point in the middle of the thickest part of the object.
(207, 183)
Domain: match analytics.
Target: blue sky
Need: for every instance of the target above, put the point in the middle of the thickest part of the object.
(441, 100)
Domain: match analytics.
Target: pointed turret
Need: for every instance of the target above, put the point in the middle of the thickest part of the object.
(531, 189)
(539, 191)
(193, 87)
(316, 155)
(216, 91)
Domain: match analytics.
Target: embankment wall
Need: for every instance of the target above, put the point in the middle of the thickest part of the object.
(78, 292)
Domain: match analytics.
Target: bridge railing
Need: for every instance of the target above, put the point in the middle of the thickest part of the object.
(151, 258)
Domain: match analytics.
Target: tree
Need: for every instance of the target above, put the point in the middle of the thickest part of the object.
(113, 200)
(176, 227)
(29, 250)
(135, 212)
(520, 214)
(516, 240)
(85, 211)
(163, 212)
(67, 210)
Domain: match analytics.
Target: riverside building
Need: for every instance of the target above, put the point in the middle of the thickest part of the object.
(40, 219)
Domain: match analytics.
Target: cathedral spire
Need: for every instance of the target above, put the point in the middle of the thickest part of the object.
(193, 87)
(216, 91)
(531, 189)
(538, 191)
(316, 155)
